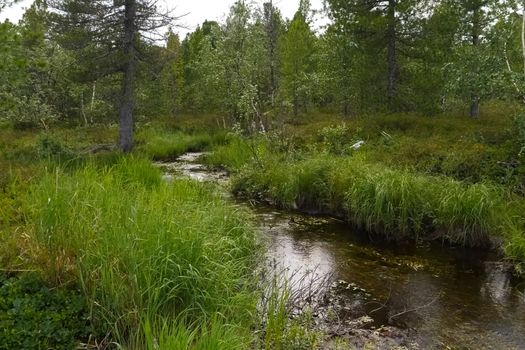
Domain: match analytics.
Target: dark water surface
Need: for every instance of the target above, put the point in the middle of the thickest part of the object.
(449, 298)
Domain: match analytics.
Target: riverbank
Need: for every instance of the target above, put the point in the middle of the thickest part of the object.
(350, 290)
(136, 261)
(96, 249)
(155, 264)
(401, 178)
(55, 184)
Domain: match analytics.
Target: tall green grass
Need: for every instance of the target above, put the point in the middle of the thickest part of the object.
(167, 144)
(235, 153)
(398, 204)
(164, 145)
(151, 258)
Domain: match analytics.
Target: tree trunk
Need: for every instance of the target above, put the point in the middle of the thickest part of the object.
(295, 99)
(392, 52)
(128, 82)
(474, 108)
(92, 106)
(82, 111)
(346, 108)
(523, 36)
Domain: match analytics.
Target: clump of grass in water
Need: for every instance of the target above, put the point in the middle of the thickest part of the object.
(145, 253)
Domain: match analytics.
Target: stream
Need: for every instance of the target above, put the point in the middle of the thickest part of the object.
(424, 296)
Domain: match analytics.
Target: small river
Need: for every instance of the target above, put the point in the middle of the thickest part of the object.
(441, 297)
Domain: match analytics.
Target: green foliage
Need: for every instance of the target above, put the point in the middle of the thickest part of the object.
(50, 148)
(335, 139)
(297, 65)
(477, 72)
(35, 316)
(31, 79)
(519, 122)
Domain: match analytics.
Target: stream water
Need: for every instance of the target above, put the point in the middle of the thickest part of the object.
(440, 297)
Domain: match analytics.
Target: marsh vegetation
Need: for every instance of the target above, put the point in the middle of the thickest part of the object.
(367, 168)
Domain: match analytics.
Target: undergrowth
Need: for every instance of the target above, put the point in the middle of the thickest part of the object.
(34, 315)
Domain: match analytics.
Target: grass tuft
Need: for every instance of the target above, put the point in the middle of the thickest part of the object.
(144, 252)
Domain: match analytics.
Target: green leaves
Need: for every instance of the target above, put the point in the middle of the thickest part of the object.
(297, 52)
(34, 316)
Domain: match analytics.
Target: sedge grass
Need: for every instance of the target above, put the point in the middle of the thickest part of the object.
(398, 204)
(144, 252)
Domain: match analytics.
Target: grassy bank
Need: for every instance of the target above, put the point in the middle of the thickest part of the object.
(452, 180)
(152, 265)
(148, 256)
(451, 145)
(166, 145)
(396, 204)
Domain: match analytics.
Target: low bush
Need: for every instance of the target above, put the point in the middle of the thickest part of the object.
(49, 147)
(36, 316)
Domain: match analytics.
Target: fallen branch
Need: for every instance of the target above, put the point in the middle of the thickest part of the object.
(415, 309)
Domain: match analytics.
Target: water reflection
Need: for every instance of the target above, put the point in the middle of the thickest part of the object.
(455, 298)
(450, 297)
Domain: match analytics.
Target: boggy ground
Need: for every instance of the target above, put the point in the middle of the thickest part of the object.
(62, 190)
(445, 178)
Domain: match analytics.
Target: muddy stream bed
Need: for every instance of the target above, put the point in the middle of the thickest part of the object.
(424, 296)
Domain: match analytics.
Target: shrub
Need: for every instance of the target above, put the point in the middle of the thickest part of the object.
(50, 148)
(335, 138)
(35, 316)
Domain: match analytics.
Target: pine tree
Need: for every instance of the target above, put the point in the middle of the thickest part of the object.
(113, 30)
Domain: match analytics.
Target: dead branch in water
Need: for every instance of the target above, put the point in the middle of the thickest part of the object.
(414, 309)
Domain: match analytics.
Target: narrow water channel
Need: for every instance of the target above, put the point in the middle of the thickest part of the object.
(442, 297)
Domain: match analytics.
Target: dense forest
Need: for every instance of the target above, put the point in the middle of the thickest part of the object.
(263, 182)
